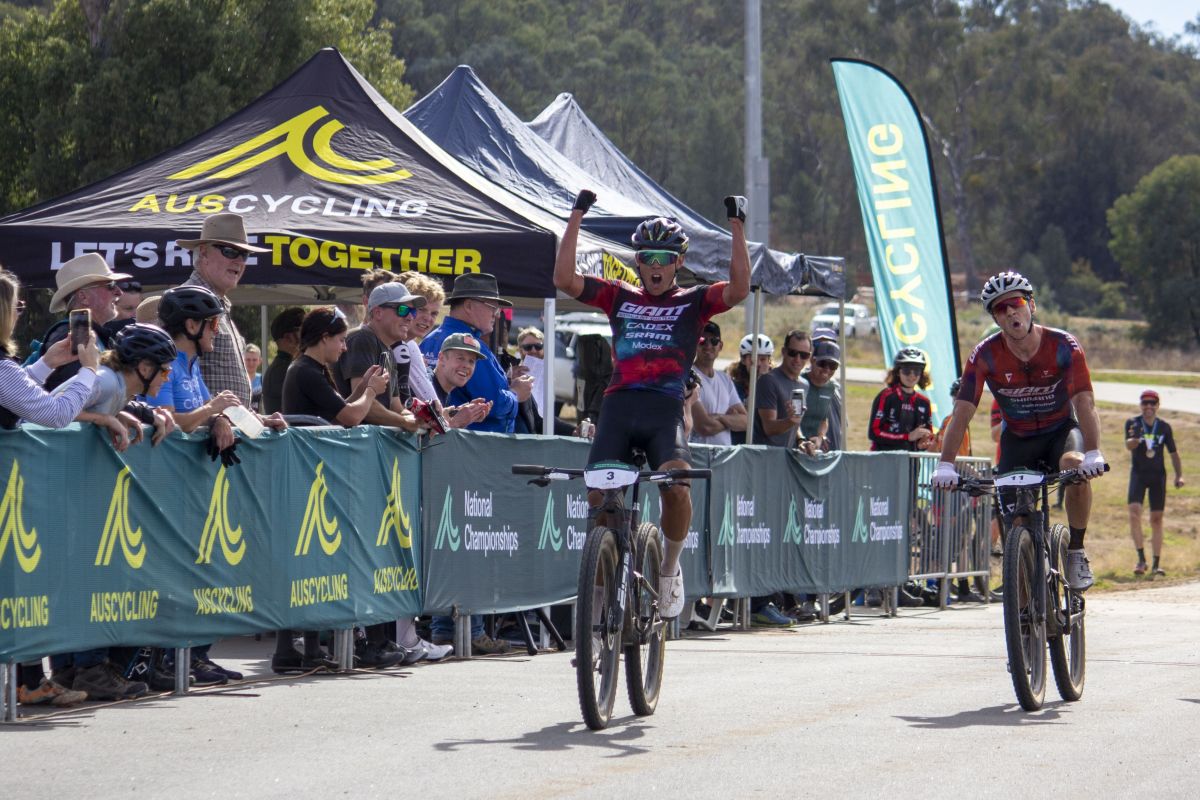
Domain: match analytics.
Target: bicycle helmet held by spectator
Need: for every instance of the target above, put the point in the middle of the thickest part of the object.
(909, 355)
(765, 346)
(188, 302)
(138, 342)
(1004, 283)
(660, 233)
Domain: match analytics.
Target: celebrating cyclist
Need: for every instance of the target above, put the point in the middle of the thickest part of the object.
(656, 328)
(1036, 375)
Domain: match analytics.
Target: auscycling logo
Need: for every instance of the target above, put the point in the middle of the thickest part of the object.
(395, 518)
(12, 524)
(860, 533)
(217, 527)
(316, 520)
(290, 139)
(728, 533)
(793, 532)
(118, 528)
(447, 532)
(551, 533)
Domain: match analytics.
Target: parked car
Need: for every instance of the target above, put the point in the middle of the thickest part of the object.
(859, 321)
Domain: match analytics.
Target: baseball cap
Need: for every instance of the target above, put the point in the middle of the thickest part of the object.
(393, 292)
(461, 341)
(824, 333)
(1149, 394)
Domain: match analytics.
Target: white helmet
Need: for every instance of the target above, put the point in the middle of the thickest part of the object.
(1003, 283)
(765, 347)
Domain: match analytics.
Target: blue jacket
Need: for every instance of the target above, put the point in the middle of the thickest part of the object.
(488, 382)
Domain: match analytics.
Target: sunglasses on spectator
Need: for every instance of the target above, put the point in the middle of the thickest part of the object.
(531, 346)
(110, 286)
(824, 364)
(129, 286)
(805, 354)
(711, 341)
(1015, 303)
(230, 252)
(663, 258)
(906, 370)
(402, 310)
(1149, 402)
(214, 323)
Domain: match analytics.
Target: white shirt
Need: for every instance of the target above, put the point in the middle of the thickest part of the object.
(717, 395)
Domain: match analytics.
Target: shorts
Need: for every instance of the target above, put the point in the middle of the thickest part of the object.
(1140, 482)
(651, 421)
(1040, 452)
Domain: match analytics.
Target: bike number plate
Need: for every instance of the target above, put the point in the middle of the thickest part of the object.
(609, 477)
(1018, 479)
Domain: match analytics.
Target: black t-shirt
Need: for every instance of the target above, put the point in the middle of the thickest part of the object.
(1155, 437)
(57, 333)
(272, 383)
(307, 389)
(364, 350)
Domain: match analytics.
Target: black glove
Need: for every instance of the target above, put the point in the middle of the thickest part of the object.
(229, 457)
(735, 206)
(584, 200)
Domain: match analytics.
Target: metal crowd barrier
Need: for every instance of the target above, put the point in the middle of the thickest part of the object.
(950, 533)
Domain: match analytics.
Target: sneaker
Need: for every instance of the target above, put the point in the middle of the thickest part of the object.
(874, 598)
(1141, 568)
(1079, 572)
(426, 651)
(375, 656)
(283, 663)
(231, 674)
(64, 676)
(161, 680)
(442, 640)
(319, 660)
(487, 646)
(769, 616)
(207, 676)
(908, 600)
(805, 612)
(1159, 572)
(49, 692)
(105, 682)
(670, 595)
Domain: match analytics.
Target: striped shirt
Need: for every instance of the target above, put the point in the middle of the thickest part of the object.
(223, 369)
(21, 393)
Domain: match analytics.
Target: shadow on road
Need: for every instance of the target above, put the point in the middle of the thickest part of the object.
(567, 736)
(992, 716)
(1190, 699)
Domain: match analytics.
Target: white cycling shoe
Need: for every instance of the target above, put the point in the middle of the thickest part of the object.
(670, 595)
(1079, 572)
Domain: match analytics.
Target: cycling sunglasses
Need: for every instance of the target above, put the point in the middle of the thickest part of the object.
(230, 252)
(908, 369)
(402, 310)
(1015, 303)
(663, 258)
(530, 347)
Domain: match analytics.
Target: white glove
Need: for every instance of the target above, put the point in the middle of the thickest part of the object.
(945, 476)
(1093, 464)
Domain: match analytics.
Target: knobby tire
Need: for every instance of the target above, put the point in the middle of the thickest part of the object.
(597, 684)
(1024, 631)
(1068, 649)
(645, 632)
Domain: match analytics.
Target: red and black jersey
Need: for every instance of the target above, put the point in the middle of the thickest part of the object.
(654, 338)
(1035, 395)
(895, 414)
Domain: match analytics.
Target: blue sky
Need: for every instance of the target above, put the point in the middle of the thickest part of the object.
(1168, 16)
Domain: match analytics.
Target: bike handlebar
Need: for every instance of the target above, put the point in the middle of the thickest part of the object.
(979, 486)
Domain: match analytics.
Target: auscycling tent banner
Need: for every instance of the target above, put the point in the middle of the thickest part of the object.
(328, 176)
(898, 199)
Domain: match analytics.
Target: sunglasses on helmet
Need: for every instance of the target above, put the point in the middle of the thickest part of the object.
(663, 258)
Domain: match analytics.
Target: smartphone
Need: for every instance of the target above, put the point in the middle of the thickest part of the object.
(80, 323)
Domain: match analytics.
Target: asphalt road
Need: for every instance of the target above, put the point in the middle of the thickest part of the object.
(919, 704)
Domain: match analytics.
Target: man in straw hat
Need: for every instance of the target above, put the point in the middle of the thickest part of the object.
(83, 282)
(218, 263)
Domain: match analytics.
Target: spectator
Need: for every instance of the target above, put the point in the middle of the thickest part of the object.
(460, 354)
(218, 263)
(819, 401)
(83, 282)
(902, 417)
(147, 310)
(777, 423)
(252, 358)
(23, 398)
(390, 310)
(593, 372)
(131, 298)
(719, 411)
(309, 389)
(964, 449)
(742, 372)
(834, 435)
(531, 343)
(474, 304)
(285, 330)
(1146, 436)
(962, 505)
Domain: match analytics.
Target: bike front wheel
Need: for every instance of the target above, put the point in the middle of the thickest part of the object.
(645, 632)
(598, 628)
(1024, 625)
(1068, 648)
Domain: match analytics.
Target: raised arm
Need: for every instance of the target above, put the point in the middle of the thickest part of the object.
(566, 279)
(739, 260)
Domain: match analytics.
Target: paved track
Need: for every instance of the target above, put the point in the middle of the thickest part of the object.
(919, 704)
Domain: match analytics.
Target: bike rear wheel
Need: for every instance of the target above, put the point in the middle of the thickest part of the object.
(598, 628)
(645, 632)
(1068, 648)
(1024, 628)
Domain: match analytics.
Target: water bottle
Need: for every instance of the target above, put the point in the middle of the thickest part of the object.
(798, 402)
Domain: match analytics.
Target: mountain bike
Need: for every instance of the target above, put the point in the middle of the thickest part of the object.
(617, 604)
(1040, 609)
